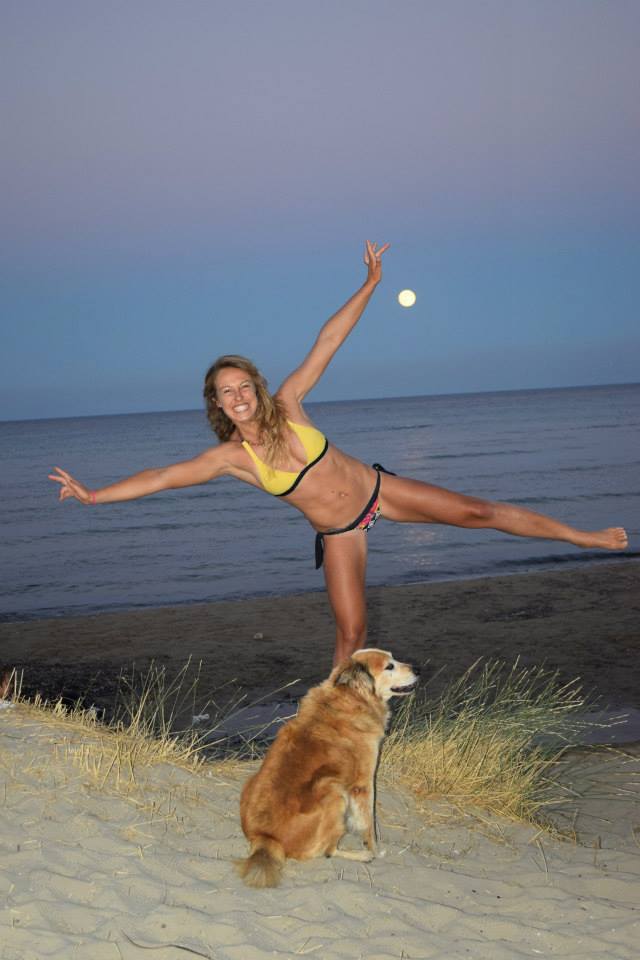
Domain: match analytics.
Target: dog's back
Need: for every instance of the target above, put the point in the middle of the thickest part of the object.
(296, 804)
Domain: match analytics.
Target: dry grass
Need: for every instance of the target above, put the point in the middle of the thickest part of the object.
(143, 733)
(493, 740)
(160, 708)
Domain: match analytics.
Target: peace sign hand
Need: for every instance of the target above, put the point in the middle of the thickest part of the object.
(70, 487)
(372, 257)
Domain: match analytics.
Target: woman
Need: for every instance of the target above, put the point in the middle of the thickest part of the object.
(269, 442)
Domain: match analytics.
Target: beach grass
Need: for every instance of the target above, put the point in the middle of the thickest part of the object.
(142, 732)
(493, 740)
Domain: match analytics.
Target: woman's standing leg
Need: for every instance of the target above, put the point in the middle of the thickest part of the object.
(345, 567)
(411, 501)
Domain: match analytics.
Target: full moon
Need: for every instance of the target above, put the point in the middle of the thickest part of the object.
(406, 298)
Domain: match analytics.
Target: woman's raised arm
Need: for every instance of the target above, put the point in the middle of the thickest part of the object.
(335, 331)
(206, 466)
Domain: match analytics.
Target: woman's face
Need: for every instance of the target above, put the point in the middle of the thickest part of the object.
(236, 394)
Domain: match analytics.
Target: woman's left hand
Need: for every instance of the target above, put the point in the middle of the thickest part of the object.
(372, 257)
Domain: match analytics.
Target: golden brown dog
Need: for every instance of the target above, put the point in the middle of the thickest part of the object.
(318, 777)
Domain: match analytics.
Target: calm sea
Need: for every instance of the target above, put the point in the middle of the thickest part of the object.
(572, 453)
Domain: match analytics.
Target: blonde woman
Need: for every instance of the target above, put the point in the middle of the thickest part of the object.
(268, 440)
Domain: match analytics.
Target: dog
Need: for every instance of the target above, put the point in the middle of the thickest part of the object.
(318, 778)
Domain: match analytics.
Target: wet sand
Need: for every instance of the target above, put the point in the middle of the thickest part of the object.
(584, 622)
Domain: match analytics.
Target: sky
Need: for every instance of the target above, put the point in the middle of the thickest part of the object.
(190, 178)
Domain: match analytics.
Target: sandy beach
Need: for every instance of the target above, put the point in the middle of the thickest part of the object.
(90, 872)
(91, 875)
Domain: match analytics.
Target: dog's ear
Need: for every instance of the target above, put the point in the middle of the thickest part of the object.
(356, 676)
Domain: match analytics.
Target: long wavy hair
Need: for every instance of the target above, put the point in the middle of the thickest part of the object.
(271, 417)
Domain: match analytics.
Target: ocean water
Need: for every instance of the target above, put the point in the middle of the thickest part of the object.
(572, 453)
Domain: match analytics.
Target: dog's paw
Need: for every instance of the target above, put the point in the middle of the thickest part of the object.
(362, 856)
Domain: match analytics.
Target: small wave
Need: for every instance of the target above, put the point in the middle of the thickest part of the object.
(572, 498)
(116, 530)
(584, 558)
(611, 426)
(412, 426)
(480, 453)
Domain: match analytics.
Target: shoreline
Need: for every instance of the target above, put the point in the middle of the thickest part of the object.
(560, 565)
(583, 622)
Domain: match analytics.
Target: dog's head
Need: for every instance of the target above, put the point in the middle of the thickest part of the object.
(376, 672)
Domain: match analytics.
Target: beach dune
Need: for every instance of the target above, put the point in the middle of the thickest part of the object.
(92, 875)
(90, 870)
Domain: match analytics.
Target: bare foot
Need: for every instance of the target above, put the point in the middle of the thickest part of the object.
(613, 538)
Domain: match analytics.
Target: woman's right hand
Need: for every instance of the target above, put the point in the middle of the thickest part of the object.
(69, 487)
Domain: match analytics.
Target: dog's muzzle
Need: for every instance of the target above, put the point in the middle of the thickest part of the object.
(407, 688)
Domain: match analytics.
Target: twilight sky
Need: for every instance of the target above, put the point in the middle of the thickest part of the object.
(189, 178)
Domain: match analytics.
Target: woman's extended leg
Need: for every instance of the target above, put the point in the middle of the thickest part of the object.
(411, 501)
(345, 565)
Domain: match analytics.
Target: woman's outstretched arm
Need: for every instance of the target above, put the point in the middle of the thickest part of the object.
(335, 331)
(200, 469)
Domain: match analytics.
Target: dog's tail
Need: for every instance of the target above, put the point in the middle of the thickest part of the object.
(263, 868)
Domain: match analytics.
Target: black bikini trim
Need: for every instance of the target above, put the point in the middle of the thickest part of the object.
(303, 471)
(329, 533)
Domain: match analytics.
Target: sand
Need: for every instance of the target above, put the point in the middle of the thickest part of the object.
(584, 622)
(89, 873)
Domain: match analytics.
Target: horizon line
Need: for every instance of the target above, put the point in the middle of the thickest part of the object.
(408, 396)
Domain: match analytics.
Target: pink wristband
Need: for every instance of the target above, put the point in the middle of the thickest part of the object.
(92, 496)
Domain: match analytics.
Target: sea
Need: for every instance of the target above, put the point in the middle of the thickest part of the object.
(572, 453)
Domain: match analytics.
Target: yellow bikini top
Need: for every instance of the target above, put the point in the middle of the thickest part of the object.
(282, 482)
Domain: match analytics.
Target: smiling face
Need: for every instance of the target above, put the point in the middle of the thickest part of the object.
(236, 394)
